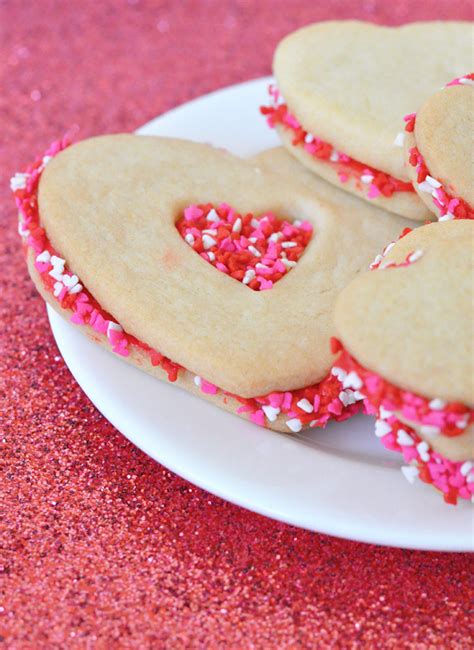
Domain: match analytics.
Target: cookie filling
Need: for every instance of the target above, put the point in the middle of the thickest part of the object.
(433, 417)
(378, 183)
(256, 251)
(448, 206)
(312, 406)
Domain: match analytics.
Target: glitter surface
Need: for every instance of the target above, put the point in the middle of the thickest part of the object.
(102, 547)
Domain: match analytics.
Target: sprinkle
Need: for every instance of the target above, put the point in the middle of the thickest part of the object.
(413, 257)
(294, 425)
(197, 381)
(399, 139)
(189, 239)
(18, 182)
(367, 178)
(466, 467)
(237, 227)
(352, 380)
(212, 215)
(45, 256)
(437, 404)
(289, 244)
(404, 438)
(432, 181)
(305, 405)
(410, 473)
(271, 412)
(208, 242)
(382, 428)
(423, 449)
(254, 251)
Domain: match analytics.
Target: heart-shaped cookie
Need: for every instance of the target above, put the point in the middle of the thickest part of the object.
(407, 332)
(346, 86)
(439, 147)
(101, 223)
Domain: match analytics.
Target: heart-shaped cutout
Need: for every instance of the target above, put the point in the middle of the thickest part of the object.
(257, 251)
(348, 84)
(439, 146)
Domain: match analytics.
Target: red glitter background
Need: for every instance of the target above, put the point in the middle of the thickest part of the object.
(102, 547)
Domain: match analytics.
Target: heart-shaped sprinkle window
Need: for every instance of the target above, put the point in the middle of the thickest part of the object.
(257, 251)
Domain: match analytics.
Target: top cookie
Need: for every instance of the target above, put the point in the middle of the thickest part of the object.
(414, 324)
(444, 138)
(351, 83)
(109, 206)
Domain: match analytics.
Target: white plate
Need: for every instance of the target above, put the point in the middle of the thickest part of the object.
(338, 481)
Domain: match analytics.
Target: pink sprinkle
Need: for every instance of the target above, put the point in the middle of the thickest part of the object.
(258, 418)
(276, 399)
(343, 177)
(316, 403)
(373, 192)
(335, 406)
(208, 388)
(192, 212)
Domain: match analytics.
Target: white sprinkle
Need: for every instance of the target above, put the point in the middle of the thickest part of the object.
(470, 478)
(45, 256)
(466, 467)
(253, 240)
(462, 423)
(432, 181)
(209, 231)
(58, 287)
(352, 380)
(425, 187)
(339, 373)
(404, 438)
(22, 231)
(446, 217)
(76, 289)
(259, 265)
(334, 157)
(274, 237)
(58, 262)
(437, 404)
(255, 223)
(410, 473)
(424, 451)
(305, 405)
(197, 381)
(113, 326)
(189, 238)
(208, 242)
(249, 276)
(56, 273)
(295, 425)
(46, 160)
(70, 280)
(297, 223)
(382, 428)
(212, 216)
(313, 423)
(465, 81)
(376, 261)
(400, 139)
(415, 256)
(271, 412)
(211, 256)
(289, 244)
(237, 227)
(254, 251)
(388, 248)
(385, 413)
(367, 178)
(347, 397)
(358, 395)
(308, 138)
(288, 263)
(18, 182)
(429, 430)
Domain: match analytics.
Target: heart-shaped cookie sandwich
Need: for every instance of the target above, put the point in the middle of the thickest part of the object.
(343, 89)
(439, 147)
(406, 329)
(198, 268)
